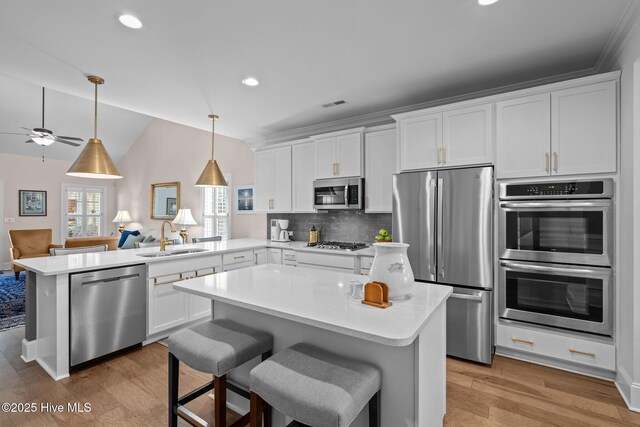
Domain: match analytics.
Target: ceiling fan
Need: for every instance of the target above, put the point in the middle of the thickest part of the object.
(43, 136)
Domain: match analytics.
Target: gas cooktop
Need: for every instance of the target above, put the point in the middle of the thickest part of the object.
(345, 246)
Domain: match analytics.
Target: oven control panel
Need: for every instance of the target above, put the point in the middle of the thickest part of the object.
(565, 189)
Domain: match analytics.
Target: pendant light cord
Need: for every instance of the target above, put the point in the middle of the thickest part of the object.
(43, 107)
(95, 112)
(213, 135)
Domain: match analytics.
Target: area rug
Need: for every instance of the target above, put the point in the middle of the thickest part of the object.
(11, 301)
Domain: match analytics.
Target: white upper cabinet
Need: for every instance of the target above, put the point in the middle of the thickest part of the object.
(446, 138)
(523, 137)
(338, 156)
(420, 141)
(563, 132)
(273, 180)
(302, 156)
(583, 129)
(467, 135)
(325, 158)
(380, 165)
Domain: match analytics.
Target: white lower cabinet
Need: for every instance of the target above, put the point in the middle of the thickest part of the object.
(260, 257)
(365, 264)
(556, 345)
(237, 260)
(274, 256)
(168, 308)
(289, 257)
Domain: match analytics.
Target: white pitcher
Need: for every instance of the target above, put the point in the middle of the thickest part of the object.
(391, 266)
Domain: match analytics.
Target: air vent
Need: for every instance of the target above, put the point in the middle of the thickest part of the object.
(333, 104)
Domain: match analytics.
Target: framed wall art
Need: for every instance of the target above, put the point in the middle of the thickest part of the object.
(32, 203)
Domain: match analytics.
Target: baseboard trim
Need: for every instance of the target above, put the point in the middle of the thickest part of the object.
(50, 371)
(29, 350)
(590, 371)
(629, 390)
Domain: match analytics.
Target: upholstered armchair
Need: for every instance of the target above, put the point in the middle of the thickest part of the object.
(29, 244)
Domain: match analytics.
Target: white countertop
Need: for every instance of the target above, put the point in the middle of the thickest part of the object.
(320, 298)
(94, 261)
(63, 264)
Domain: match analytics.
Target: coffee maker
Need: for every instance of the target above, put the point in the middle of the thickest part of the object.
(279, 231)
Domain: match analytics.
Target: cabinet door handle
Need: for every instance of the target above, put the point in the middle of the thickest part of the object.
(555, 161)
(586, 353)
(256, 259)
(444, 156)
(333, 169)
(514, 339)
(546, 162)
(337, 169)
(439, 150)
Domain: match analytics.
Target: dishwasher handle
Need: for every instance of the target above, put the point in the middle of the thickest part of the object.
(111, 279)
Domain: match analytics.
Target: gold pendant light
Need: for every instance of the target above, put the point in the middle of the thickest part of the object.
(211, 175)
(94, 161)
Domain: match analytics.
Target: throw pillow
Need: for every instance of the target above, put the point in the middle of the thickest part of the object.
(131, 241)
(125, 234)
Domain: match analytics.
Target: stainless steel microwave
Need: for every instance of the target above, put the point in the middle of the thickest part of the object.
(338, 193)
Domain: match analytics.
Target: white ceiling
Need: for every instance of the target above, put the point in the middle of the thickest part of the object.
(66, 115)
(189, 58)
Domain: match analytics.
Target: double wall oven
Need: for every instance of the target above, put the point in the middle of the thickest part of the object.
(556, 245)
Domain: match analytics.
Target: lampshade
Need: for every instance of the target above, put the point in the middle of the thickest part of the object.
(184, 217)
(122, 217)
(94, 161)
(211, 175)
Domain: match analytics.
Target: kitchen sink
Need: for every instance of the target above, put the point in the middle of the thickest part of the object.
(172, 253)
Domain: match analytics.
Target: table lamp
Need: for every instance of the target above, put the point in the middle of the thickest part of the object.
(183, 219)
(121, 218)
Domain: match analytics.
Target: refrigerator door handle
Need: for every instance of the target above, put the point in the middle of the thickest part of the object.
(433, 268)
(476, 296)
(440, 226)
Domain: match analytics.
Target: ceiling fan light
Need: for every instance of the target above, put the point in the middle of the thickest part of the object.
(94, 162)
(43, 141)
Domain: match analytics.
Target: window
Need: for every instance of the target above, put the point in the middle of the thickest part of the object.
(216, 208)
(83, 210)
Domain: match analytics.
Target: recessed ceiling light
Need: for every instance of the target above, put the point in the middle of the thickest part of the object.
(250, 81)
(130, 21)
(486, 2)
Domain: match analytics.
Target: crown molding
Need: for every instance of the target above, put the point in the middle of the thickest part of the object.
(613, 49)
(384, 117)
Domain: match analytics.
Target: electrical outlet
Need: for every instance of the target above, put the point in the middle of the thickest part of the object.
(9, 220)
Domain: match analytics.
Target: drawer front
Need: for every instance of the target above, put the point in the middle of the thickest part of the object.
(289, 256)
(238, 265)
(337, 261)
(237, 257)
(275, 256)
(175, 266)
(571, 349)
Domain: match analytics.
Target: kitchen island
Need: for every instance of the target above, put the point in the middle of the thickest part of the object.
(406, 341)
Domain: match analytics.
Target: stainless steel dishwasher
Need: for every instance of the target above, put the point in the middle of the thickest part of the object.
(108, 311)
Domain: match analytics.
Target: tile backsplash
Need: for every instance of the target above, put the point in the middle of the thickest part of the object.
(337, 225)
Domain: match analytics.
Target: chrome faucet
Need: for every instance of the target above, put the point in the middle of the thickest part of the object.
(163, 241)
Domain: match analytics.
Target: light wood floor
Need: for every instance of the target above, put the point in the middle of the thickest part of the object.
(130, 390)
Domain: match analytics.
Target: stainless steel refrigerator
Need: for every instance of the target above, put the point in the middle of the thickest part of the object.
(446, 216)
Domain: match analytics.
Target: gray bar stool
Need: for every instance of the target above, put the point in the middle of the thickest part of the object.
(314, 387)
(215, 347)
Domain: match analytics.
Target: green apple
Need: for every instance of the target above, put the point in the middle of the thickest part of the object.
(387, 238)
(379, 237)
(383, 232)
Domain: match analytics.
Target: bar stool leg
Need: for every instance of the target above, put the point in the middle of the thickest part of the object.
(374, 410)
(220, 401)
(174, 376)
(257, 409)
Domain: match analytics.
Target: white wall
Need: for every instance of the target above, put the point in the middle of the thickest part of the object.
(30, 173)
(168, 152)
(628, 279)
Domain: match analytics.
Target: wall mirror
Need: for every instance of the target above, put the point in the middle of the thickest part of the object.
(165, 200)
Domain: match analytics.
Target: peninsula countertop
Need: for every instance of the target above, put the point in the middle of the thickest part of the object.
(321, 298)
(48, 266)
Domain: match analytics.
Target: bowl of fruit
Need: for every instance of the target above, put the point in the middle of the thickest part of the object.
(382, 236)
